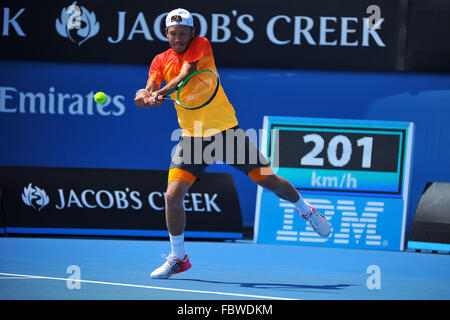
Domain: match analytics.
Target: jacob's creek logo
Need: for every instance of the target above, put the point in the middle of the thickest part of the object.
(77, 24)
(35, 197)
(126, 199)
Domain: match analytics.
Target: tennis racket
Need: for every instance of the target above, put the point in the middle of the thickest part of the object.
(196, 91)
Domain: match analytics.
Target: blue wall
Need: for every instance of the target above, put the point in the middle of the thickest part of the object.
(119, 135)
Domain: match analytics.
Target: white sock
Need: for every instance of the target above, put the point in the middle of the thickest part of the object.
(302, 206)
(177, 244)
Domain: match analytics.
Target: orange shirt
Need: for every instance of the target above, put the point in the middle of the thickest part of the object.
(219, 114)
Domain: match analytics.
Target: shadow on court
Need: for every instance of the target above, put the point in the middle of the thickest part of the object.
(269, 285)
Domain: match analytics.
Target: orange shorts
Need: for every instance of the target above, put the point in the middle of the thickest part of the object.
(257, 174)
(177, 174)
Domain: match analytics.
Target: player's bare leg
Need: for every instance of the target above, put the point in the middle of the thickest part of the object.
(178, 260)
(286, 191)
(175, 215)
(281, 187)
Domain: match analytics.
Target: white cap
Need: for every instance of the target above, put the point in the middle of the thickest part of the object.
(186, 18)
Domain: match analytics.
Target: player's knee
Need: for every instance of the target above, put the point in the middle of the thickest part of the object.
(175, 193)
(174, 198)
(172, 195)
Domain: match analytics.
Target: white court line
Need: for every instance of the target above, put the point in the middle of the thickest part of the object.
(147, 287)
(15, 278)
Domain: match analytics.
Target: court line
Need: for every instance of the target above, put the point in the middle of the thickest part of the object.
(147, 287)
(15, 278)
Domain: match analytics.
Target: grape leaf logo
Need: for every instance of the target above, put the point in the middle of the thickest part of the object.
(35, 197)
(77, 24)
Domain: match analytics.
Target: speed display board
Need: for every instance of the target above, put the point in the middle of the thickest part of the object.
(356, 172)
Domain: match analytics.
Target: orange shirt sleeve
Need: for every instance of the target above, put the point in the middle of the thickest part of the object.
(155, 72)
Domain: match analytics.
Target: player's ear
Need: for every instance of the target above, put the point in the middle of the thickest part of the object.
(193, 32)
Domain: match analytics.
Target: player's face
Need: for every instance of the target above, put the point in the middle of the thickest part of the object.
(179, 37)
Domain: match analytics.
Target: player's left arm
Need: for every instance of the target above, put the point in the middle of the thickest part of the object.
(186, 70)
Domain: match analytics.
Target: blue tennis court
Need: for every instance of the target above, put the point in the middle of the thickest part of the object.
(48, 268)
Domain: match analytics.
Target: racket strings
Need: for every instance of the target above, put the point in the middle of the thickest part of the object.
(198, 90)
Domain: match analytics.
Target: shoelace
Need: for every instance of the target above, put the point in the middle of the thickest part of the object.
(170, 260)
(309, 214)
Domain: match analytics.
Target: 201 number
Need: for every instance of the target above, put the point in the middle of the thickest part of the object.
(312, 158)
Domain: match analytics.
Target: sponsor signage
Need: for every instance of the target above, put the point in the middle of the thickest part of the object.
(81, 201)
(356, 172)
(355, 34)
(54, 102)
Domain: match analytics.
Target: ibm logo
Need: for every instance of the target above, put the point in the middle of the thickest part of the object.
(348, 225)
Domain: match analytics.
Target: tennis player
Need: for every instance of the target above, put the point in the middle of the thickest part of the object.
(215, 122)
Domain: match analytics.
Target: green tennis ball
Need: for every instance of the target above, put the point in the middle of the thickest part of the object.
(100, 97)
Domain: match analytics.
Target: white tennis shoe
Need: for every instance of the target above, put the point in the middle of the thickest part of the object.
(318, 222)
(171, 266)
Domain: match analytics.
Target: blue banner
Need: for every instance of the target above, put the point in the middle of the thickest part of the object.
(48, 118)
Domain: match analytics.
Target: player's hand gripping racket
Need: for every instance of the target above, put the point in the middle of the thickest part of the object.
(196, 91)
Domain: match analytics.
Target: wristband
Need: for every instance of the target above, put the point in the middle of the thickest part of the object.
(143, 90)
